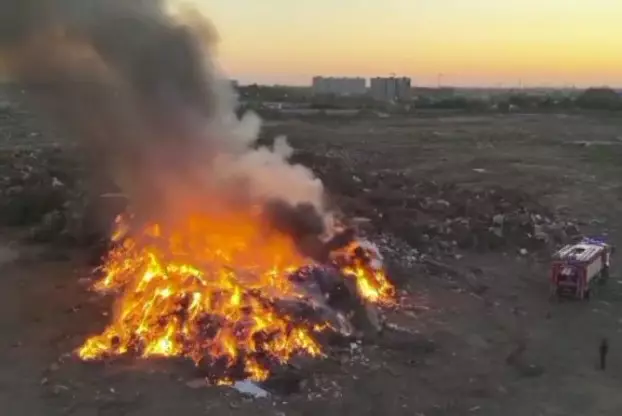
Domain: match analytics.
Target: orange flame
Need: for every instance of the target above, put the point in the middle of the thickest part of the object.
(203, 289)
(371, 282)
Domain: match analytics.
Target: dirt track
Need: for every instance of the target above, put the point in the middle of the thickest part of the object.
(494, 301)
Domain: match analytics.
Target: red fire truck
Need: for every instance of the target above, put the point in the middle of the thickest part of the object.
(577, 267)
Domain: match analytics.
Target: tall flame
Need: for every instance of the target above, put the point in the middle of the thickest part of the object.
(204, 289)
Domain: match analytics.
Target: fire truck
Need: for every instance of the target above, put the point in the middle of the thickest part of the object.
(578, 267)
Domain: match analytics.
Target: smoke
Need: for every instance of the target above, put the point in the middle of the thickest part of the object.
(141, 89)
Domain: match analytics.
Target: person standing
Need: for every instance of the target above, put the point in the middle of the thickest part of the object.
(603, 350)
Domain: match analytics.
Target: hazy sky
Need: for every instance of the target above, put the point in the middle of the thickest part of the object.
(471, 42)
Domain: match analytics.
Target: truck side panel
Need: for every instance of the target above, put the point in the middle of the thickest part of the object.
(594, 268)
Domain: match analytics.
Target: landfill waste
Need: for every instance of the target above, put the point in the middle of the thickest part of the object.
(438, 218)
(249, 388)
(46, 190)
(45, 187)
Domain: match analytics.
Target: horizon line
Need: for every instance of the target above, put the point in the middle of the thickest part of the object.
(463, 87)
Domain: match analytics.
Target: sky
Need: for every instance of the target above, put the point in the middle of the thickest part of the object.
(497, 43)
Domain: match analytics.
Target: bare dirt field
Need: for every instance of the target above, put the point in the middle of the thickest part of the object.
(467, 209)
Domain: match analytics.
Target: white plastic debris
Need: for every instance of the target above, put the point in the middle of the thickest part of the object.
(250, 388)
(355, 347)
(56, 183)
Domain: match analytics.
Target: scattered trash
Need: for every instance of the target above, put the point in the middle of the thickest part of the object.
(43, 188)
(250, 388)
(59, 388)
(440, 218)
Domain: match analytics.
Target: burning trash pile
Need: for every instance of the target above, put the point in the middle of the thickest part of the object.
(234, 297)
(227, 253)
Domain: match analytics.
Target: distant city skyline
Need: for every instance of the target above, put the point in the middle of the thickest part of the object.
(487, 43)
(415, 84)
(429, 82)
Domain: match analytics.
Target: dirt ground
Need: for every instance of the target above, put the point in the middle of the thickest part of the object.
(568, 164)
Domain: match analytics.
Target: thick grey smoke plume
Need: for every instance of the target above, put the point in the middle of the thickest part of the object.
(141, 90)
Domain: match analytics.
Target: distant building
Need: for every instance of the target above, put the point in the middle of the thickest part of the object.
(391, 88)
(339, 86)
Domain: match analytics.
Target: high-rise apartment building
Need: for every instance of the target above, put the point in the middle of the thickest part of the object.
(390, 88)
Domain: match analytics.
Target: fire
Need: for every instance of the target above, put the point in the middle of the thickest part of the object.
(364, 264)
(205, 288)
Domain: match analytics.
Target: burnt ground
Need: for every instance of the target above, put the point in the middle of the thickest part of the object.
(490, 341)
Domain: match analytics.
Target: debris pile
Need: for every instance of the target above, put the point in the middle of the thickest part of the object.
(440, 218)
(238, 300)
(45, 189)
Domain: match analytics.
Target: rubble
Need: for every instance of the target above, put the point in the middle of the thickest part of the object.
(441, 218)
(44, 189)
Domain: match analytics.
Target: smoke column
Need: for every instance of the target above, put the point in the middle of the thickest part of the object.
(140, 88)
